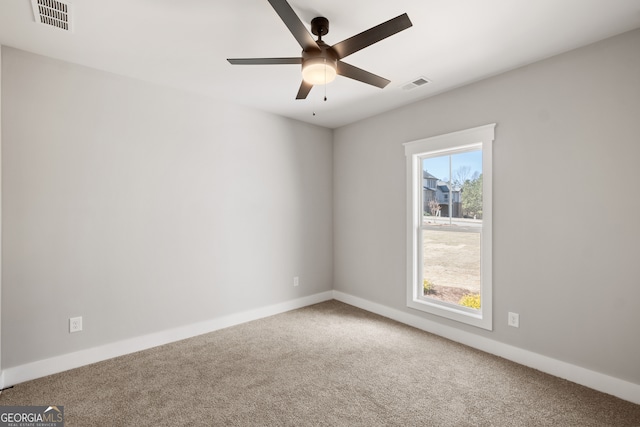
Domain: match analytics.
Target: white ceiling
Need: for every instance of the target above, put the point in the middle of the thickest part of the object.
(185, 43)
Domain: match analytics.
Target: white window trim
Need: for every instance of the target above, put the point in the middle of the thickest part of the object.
(464, 140)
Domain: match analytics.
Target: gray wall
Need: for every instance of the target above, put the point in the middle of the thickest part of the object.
(566, 227)
(143, 208)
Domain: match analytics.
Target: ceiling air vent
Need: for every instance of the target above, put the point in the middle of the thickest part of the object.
(420, 81)
(53, 13)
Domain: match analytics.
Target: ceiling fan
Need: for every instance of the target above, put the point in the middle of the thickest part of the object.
(321, 62)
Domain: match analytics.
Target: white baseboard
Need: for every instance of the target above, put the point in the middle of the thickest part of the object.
(41, 368)
(595, 380)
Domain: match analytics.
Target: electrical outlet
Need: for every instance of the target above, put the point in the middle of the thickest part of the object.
(514, 320)
(296, 281)
(75, 324)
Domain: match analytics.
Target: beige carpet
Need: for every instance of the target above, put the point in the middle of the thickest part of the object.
(329, 364)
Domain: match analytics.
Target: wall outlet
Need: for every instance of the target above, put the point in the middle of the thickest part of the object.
(75, 324)
(296, 281)
(514, 320)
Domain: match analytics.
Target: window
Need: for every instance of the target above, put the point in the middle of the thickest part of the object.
(449, 242)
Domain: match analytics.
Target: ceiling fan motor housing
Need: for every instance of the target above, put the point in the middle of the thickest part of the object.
(325, 51)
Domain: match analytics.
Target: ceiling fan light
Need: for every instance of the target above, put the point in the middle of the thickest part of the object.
(318, 71)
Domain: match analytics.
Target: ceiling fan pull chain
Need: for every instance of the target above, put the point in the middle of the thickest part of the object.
(325, 79)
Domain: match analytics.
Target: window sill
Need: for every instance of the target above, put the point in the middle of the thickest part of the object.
(449, 311)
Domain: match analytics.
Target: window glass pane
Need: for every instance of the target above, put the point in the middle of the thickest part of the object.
(451, 265)
(452, 228)
(466, 176)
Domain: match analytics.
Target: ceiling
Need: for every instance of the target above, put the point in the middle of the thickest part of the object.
(184, 44)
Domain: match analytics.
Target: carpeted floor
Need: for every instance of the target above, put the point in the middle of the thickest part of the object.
(325, 365)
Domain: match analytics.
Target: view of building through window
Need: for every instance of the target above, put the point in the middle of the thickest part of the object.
(452, 228)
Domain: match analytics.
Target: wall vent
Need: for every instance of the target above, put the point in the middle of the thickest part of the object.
(420, 81)
(53, 13)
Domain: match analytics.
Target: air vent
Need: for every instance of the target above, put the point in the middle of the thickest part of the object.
(420, 81)
(53, 13)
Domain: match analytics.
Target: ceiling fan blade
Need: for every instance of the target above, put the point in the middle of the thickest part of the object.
(264, 61)
(356, 73)
(294, 24)
(305, 88)
(372, 35)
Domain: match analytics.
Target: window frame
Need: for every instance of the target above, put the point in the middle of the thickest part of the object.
(415, 151)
